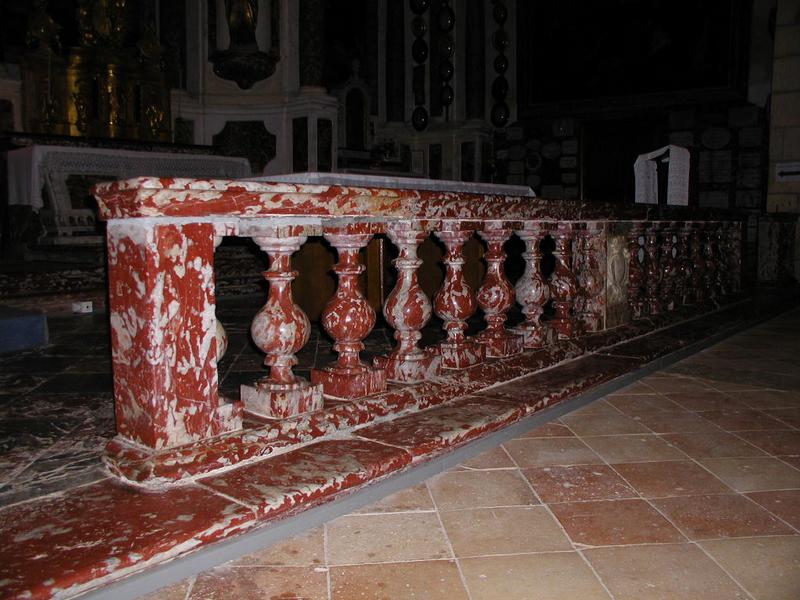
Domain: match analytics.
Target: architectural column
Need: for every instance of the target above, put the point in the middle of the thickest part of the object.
(280, 330)
(636, 270)
(532, 290)
(591, 253)
(562, 282)
(455, 303)
(496, 297)
(348, 318)
(407, 310)
(652, 271)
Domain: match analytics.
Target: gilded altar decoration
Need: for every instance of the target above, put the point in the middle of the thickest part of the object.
(110, 84)
(243, 61)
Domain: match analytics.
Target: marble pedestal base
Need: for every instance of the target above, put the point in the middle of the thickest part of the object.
(460, 356)
(502, 345)
(349, 383)
(281, 400)
(409, 369)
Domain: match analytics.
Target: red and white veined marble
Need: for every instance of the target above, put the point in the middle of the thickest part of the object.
(496, 297)
(590, 276)
(164, 334)
(455, 302)
(280, 329)
(653, 274)
(348, 318)
(562, 282)
(407, 310)
(532, 290)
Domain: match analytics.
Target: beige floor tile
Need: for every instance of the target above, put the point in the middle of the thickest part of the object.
(615, 522)
(754, 474)
(496, 458)
(662, 572)
(712, 445)
(257, 583)
(414, 498)
(783, 503)
(175, 591)
(552, 429)
(603, 424)
(423, 580)
(388, 537)
(541, 452)
(578, 483)
(700, 400)
(300, 550)
(673, 478)
(476, 489)
(779, 443)
(767, 567)
(674, 384)
(684, 422)
(637, 404)
(633, 448)
(744, 419)
(637, 387)
(489, 531)
(598, 407)
(550, 576)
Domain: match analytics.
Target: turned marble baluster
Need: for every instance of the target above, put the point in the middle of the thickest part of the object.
(710, 262)
(683, 263)
(636, 270)
(496, 297)
(652, 271)
(591, 250)
(562, 282)
(698, 264)
(721, 261)
(455, 302)
(532, 291)
(407, 310)
(735, 256)
(348, 318)
(668, 267)
(280, 330)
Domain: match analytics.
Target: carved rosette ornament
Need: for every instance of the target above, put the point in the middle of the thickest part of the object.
(348, 318)
(280, 330)
(563, 287)
(653, 272)
(455, 302)
(496, 297)
(636, 270)
(532, 290)
(407, 310)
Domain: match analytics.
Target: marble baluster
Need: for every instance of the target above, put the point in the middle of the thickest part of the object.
(735, 256)
(407, 310)
(348, 318)
(721, 249)
(455, 302)
(532, 290)
(667, 264)
(280, 329)
(709, 262)
(591, 249)
(563, 287)
(652, 271)
(496, 297)
(636, 270)
(683, 264)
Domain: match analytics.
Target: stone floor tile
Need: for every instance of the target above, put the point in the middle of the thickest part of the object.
(387, 537)
(742, 420)
(719, 516)
(536, 452)
(673, 384)
(712, 445)
(685, 422)
(257, 583)
(304, 549)
(662, 572)
(475, 489)
(603, 424)
(753, 474)
(672, 478)
(703, 400)
(598, 407)
(767, 567)
(633, 448)
(487, 531)
(637, 404)
(785, 504)
(552, 429)
(789, 416)
(637, 387)
(777, 443)
(768, 399)
(546, 576)
(578, 483)
(615, 522)
(176, 591)
(413, 499)
(429, 580)
(496, 458)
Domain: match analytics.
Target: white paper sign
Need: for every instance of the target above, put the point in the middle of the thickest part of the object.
(645, 170)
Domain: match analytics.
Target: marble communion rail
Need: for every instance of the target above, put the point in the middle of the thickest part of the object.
(620, 272)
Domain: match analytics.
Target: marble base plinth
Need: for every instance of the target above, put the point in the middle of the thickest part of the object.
(502, 344)
(460, 356)
(409, 369)
(349, 383)
(281, 400)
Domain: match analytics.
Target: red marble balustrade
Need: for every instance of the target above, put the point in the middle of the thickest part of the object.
(611, 264)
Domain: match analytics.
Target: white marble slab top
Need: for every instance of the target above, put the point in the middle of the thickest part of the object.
(408, 183)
